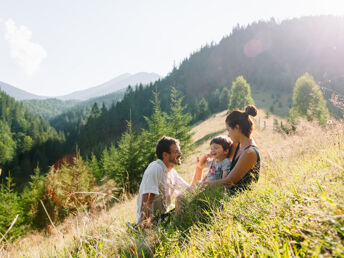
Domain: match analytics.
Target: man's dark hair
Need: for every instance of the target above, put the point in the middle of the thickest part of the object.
(224, 141)
(163, 145)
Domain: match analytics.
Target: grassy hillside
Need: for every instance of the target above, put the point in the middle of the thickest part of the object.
(296, 208)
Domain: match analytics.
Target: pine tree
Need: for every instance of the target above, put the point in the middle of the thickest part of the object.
(9, 208)
(179, 122)
(308, 101)
(129, 161)
(94, 166)
(108, 166)
(30, 200)
(157, 127)
(203, 109)
(213, 100)
(240, 94)
(7, 144)
(224, 98)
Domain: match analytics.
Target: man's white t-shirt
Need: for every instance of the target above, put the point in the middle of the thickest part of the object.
(157, 179)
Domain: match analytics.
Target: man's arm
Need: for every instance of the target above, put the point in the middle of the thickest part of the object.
(147, 200)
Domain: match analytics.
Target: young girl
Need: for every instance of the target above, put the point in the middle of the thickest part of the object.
(216, 160)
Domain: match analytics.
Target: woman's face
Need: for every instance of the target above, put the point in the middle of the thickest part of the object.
(233, 133)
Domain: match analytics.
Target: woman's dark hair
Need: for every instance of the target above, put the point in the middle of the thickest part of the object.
(163, 145)
(224, 141)
(243, 119)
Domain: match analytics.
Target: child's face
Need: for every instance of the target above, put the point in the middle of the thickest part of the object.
(216, 150)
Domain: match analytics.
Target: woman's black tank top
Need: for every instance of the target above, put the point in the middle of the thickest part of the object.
(251, 176)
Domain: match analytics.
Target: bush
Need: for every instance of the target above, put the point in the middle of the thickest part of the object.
(71, 185)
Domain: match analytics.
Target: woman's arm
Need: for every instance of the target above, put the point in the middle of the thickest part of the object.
(246, 162)
(225, 173)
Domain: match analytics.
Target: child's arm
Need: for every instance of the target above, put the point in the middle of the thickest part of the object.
(201, 163)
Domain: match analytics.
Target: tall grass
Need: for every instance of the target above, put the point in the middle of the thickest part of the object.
(296, 209)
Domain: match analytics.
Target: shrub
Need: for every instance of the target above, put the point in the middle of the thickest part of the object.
(71, 185)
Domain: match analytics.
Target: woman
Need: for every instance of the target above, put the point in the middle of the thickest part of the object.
(246, 161)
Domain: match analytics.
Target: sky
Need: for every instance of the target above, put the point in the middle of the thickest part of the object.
(55, 47)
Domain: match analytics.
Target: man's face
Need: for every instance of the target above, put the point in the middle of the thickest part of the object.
(175, 155)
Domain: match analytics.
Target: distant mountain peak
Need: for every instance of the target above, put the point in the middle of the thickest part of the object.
(118, 83)
(16, 93)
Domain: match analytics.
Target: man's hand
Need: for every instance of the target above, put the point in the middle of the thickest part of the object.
(147, 200)
(147, 223)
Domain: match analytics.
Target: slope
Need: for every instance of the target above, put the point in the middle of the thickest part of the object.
(270, 56)
(25, 140)
(118, 83)
(16, 93)
(295, 209)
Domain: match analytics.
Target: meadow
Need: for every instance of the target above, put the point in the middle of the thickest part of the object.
(296, 208)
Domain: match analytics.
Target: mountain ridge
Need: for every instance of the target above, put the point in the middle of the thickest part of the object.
(18, 94)
(118, 83)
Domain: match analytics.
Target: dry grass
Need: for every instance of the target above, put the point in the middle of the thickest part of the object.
(103, 234)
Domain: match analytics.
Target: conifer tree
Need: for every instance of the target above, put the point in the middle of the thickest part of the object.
(9, 208)
(179, 122)
(7, 144)
(240, 94)
(203, 109)
(157, 127)
(93, 164)
(308, 101)
(108, 165)
(224, 98)
(213, 101)
(129, 161)
(30, 200)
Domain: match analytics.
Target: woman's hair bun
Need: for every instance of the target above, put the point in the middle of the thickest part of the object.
(251, 110)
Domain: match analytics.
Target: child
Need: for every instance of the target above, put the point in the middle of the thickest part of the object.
(217, 160)
(218, 163)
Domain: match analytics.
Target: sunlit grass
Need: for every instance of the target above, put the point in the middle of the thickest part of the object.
(296, 208)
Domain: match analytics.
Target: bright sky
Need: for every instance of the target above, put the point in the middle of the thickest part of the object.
(55, 47)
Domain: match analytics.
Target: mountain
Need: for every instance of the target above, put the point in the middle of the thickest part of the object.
(48, 108)
(270, 55)
(18, 94)
(118, 83)
(52, 108)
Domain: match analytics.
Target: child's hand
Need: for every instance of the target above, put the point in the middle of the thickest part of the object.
(201, 162)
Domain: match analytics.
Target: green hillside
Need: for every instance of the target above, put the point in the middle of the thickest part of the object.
(26, 141)
(296, 208)
(51, 109)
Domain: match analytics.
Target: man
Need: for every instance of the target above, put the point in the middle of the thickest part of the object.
(160, 180)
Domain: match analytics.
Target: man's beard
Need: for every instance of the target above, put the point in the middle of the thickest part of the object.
(175, 161)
